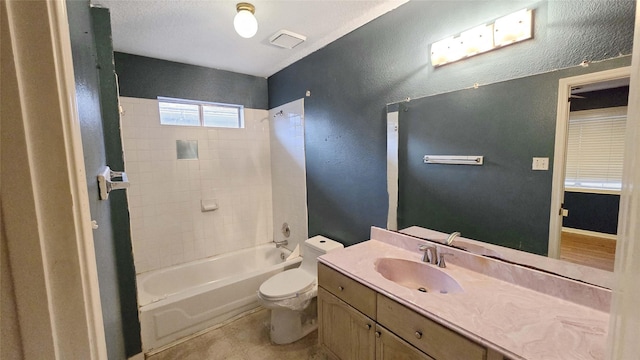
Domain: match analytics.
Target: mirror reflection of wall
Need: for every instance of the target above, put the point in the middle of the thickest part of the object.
(504, 201)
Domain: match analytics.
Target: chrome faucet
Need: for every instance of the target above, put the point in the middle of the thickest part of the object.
(281, 243)
(432, 255)
(452, 236)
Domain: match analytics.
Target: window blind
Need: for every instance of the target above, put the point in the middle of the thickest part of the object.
(595, 148)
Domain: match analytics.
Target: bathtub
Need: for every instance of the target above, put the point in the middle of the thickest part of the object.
(181, 300)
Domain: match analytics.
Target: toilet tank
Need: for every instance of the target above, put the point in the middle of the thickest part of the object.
(314, 247)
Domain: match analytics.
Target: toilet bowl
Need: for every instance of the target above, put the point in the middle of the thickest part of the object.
(291, 294)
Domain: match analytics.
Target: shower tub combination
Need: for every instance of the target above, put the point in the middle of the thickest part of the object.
(181, 300)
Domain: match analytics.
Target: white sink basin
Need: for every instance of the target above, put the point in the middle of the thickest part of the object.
(419, 276)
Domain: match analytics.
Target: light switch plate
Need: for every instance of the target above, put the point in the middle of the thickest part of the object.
(540, 163)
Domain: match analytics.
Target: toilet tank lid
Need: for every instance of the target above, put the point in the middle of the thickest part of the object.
(323, 244)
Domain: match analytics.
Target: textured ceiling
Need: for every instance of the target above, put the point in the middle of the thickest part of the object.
(201, 32)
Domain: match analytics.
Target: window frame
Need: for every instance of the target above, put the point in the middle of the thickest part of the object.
(201, 104)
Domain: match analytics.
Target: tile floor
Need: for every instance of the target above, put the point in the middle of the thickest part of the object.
(246, 338)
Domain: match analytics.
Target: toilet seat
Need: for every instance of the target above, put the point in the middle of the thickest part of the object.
(287, 284)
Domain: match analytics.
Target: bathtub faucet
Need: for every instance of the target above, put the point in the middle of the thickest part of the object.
(281, 243)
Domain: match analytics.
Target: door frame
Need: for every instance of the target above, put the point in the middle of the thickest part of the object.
(45, 203)
(560, 149)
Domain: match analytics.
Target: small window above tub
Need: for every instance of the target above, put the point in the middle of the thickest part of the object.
(181, 112)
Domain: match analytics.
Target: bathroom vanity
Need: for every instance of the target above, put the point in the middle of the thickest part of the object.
(356, 322)
(379, 300)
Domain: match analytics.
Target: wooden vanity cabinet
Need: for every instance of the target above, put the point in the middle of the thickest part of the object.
(356, 323)
(344, 332)
(347, 334)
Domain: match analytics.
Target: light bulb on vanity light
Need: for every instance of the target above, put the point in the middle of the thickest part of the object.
(477, 40)
(245, 22)
(513, 28)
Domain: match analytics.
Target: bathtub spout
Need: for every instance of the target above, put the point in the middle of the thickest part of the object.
(282, 243)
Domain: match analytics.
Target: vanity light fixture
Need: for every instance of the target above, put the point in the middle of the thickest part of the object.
(245, 22)
(504, 31)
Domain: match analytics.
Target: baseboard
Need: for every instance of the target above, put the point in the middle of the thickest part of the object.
(590, 233)
(139, 356)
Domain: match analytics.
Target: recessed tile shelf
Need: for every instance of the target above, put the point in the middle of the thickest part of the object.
(187, 149)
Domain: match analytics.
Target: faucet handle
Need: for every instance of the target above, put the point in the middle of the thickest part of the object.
(441, 262)
(429, 253)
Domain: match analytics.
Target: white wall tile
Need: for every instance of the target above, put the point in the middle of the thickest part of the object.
(167, 225)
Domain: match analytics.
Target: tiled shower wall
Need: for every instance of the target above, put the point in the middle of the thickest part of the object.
(288, 172)
(233, 168)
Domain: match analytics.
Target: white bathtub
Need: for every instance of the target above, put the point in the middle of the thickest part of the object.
(181, 300)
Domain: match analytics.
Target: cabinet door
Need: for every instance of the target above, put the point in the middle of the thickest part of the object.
(391, 347)
(343, 332)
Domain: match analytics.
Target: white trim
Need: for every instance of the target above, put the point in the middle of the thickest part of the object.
(392, 169)
(589, 233)
(562, 121)
(624, 329)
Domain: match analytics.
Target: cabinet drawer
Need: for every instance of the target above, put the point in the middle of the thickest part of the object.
(428, 336)
(350, 291)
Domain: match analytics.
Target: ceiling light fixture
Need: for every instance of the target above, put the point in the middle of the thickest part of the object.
(245, 22)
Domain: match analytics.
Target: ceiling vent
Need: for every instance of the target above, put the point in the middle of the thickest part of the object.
(287, 39)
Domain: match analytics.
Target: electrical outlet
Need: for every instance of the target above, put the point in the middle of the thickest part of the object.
(540, 163)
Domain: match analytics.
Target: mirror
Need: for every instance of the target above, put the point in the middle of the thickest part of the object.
(502, 202)
(592, 176)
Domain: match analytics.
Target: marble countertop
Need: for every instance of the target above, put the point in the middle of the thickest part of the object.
(516, 321)
(583, 273)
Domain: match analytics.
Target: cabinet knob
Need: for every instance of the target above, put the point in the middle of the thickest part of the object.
(378, 334)
(340, 288)
(418, 334)
(368, 326)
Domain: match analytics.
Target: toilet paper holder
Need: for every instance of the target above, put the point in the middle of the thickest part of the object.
(108, 181)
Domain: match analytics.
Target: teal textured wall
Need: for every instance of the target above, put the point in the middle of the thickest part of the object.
(95, 93)
(352, 79)
(148, 78)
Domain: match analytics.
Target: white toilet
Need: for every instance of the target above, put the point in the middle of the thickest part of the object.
(291, 294)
